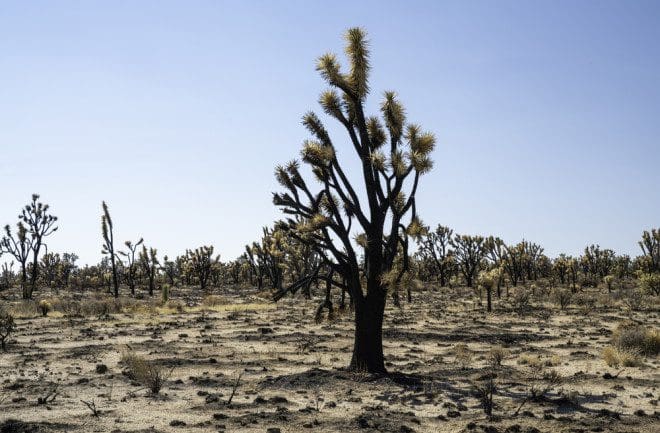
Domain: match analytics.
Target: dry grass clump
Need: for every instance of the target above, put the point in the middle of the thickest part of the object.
(631, 341)
(143, 371)
(536, 362)
(614, 357)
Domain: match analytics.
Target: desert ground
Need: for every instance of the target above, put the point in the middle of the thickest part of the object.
(237, 362)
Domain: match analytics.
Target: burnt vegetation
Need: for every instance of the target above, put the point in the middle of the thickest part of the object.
(433, 317)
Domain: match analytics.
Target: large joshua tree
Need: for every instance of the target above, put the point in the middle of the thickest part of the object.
(392, 154)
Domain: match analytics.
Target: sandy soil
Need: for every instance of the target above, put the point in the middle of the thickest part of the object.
(291, 376)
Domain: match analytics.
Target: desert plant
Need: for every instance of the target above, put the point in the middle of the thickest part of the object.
(488, 281)
(615, 357)
(109, 245)
(145, 372)
(485, 391)
(435, 248)
(650, 283)
(496, 355)
(650, 245)
(39, 224)
(562, 297)
(165, 293)
(469, 251)
(324, 219)
(463, 355)
(149, 265)
(7, 326)
(131, 267)
(19, 246)
(521, 302)
(636, 337)
(200, 262)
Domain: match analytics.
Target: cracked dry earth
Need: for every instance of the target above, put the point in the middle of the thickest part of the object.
(291, 376)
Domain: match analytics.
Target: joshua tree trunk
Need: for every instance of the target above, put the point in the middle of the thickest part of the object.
(368, 344)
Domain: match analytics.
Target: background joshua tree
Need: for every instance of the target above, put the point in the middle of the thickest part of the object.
(19, 246)
(39, 224)
(496, 253)
(6, 274)
(131, 265)
(435, 248)
(650, 245)
(201, 262)
(470, 251)
(389, 155)
(171, 270)
(109, 246)
(149, 264)
(256, 269)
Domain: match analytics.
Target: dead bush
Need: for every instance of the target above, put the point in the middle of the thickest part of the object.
(144, 371)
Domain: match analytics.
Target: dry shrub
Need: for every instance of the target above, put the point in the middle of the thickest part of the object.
(635, 337)
(617, 357)
(143, 371)
(562, 297)
(177, 305)
(463, 355)
(213, 300)
(536, 362)
(497, 355)
(634, 300)
(586, 302)
(521, 302)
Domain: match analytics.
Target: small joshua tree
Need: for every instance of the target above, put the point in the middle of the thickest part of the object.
(488, 281)
(149, 265)
(109, 246)
(131, 265)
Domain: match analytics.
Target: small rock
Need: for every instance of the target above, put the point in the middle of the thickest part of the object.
(177, 423)
(101, 368)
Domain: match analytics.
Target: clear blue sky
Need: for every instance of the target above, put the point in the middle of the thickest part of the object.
(547, 114)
